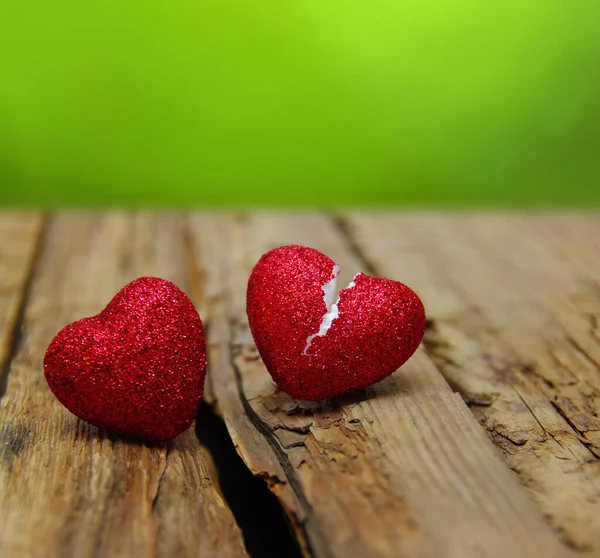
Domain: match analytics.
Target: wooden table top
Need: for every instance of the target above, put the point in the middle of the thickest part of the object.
(485, 443)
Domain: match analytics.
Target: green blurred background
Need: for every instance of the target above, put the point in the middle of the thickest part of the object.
(312, 103)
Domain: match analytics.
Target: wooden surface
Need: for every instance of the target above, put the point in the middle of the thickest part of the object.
(486, 443)
(67, 489)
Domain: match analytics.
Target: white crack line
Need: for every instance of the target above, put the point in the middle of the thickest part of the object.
(329, 290)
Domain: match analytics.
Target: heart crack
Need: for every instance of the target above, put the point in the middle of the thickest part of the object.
(332, 312)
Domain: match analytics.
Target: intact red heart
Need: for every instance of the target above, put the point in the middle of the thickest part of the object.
(379, 326)
(138, 367)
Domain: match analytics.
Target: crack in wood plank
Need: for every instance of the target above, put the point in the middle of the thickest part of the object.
(28, 233)
(223, 392)
(274, 479)
(156, 491)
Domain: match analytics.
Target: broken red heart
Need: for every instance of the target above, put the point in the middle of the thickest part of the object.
(138, 367)
(315, 348)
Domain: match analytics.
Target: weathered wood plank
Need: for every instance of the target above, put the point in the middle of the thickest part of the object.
(19, 238)
(402, 469)
(209, 236)
(67, 489)
(514, 302)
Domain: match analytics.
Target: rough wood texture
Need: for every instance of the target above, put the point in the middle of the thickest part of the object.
(19, 236)
(67, 489)
(514, 303)
(402, 469)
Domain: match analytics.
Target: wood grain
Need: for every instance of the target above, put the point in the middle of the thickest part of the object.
(401, 469)
(513, 302)
(67, 489)
(19, 240)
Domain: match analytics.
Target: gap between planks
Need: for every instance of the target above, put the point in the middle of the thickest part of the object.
(23, 236)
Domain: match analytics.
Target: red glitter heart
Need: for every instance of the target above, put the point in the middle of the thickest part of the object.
(138, 367)
(379, 324)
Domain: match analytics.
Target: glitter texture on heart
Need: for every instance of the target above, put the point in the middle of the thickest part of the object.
(138, 367)
(315, 348)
